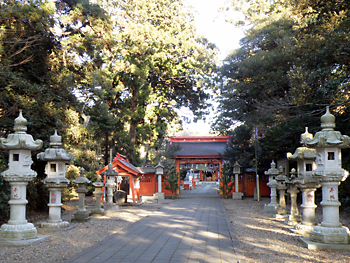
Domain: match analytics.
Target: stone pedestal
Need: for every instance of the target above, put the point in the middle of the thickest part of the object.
(237, 196)
(308, 206)
(294, 217)
(18, 228)
(331, 230)
(160, 196)
(97, 210)
(54, 220)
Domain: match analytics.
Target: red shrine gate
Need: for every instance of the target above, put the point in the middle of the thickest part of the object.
(200, 153)
(204, 154)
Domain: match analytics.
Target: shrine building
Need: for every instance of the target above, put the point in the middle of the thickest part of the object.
(203, 154)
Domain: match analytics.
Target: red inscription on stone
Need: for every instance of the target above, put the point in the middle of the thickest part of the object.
(53, 197)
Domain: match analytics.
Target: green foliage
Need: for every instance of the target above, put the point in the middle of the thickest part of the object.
(292, 62)
(5, 195)
(226, 185)
(241, 146)
(255, 84)
(171, 183)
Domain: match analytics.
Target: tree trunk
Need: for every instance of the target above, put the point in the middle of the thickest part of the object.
(107, 148)
(134, 121)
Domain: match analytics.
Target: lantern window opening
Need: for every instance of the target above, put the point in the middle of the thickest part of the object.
(53, 167)
(15, 157)
(308, 167)
(331, 156)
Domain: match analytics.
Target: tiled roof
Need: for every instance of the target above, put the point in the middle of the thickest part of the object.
(200, 148)
(147, 170)
(130, 166)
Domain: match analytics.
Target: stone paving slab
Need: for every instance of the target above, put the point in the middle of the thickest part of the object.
(186, 230)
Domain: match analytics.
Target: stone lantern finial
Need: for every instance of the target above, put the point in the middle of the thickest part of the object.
(328, 120)
(20, 124)
(305, 136)
(55, 140)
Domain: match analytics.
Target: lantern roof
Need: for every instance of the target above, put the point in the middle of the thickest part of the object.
(81, 179)
(302, 153)
(110, 171)
(273, 170)
(55, 153)
(328, 137)
(20, 139)
(237, 164)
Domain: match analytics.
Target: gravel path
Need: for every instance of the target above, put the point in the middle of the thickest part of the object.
(262, 238)
(65, 244)
(266, 239)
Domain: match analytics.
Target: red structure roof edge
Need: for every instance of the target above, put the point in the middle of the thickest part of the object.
(199, 139)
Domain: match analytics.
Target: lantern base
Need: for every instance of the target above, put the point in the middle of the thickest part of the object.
(271, 208)
(306, 242)
(330, 235)
(292, 220)
(303, 229)
(17, 232)
(97, 211)
(237, 196)
(160, 196)
(80, 217)
(62, 224)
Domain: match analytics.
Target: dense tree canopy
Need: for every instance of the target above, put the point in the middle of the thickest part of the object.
(293, 61)
(108, 75)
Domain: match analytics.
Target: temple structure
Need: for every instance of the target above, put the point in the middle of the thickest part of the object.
(200, 153)
(204, 154)
(137, 182)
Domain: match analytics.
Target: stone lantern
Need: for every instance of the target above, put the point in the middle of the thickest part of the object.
(282, 207)
(20, 144)
(110, 184)
(294, 217)
(237, 170)
(272, 173)
(159, 170)
(81, 215)
(307, 183)
(328, 144)
(56, 181)
(97, 210)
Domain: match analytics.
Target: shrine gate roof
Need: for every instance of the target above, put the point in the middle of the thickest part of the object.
(199, 146)
(122, 163)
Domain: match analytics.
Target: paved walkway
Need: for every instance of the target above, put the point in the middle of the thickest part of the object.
(193, 229)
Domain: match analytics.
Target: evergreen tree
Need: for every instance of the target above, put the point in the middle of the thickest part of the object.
(226, 185)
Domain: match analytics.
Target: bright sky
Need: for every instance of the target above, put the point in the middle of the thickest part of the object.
(210, 23)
